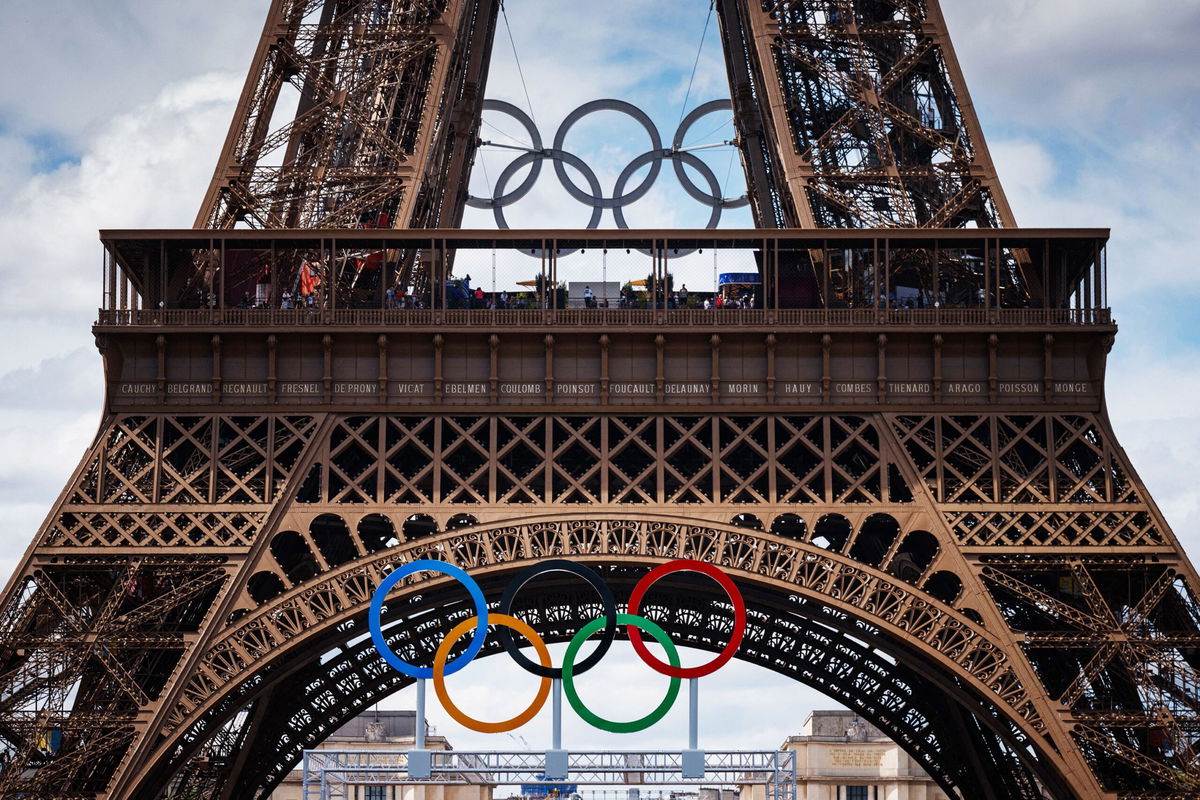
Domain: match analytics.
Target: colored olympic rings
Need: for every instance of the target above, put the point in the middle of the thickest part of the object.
(593, 196)
(595, 720)
(504, 622)
(606, 598)
(376, 612)
(739, 618)
(608, 623)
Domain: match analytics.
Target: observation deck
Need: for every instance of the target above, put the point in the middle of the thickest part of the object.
(591, 318)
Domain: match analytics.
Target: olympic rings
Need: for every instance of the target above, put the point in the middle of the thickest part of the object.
(594, 195)
(694, 116)
(376, 612)
(439, 675)
(505, 623)
(535, 139)
(559, 565)
(597, 721)
(739, 618)
(618, 199)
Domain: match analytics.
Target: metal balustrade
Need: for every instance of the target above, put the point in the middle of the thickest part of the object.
(414, 278)
(605, 318)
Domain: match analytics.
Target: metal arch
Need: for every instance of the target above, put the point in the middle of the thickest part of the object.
(853, 584)
(594, 198)
(849, 659)
(462, 548)
(1049, 435)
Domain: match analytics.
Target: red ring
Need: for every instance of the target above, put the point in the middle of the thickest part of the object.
(739, 618)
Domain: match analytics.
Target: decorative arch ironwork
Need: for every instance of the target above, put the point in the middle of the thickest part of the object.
(863, 621)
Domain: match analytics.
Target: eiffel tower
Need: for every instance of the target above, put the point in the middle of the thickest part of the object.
(923, 501)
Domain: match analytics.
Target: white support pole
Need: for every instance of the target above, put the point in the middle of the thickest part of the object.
(716, 277)
(693, 713)
(604, 271)
(556, 692)
(693, 757)
(420, 722)
(556, 766)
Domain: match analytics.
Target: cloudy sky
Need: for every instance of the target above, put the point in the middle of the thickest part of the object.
(112, 115)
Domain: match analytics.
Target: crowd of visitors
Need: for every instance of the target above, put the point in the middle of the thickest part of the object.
(307, 291)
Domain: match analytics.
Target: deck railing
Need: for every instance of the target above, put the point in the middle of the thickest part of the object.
(605, 317)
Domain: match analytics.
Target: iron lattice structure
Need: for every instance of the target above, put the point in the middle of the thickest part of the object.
(849, 113)
(855, 114)
(966, 602)
(388, 95)
(926, 509)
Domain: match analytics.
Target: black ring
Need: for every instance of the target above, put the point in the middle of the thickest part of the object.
(558, 565)
(536, 159)
(714, 216)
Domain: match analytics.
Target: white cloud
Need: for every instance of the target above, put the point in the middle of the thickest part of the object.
(72, 66)
(1078, 65)
(145, 167)
(50, 416)
(1091, 109)
(1153, 373)
(625, 49)
(17, 159)
(1151, 397)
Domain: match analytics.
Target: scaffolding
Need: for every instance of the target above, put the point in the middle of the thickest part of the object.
(332, 774)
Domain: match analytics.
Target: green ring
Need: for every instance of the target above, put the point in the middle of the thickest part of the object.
(595, 720)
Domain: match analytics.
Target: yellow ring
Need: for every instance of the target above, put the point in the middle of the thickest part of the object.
(439, 675)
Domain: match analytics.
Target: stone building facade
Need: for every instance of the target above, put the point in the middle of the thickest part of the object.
(840, 756)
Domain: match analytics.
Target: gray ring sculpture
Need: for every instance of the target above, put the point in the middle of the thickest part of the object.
(681, 132)
(534, 137)
(630, 110)
(594, 196)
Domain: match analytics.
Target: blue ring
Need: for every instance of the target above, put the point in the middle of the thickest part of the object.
(376, 612)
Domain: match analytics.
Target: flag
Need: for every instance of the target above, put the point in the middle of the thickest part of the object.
(309, 280)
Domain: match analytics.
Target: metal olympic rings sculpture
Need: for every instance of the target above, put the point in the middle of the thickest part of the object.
(594, 195)
(506, 624)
